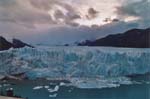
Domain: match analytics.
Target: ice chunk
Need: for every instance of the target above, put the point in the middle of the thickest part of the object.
(54, 95)
(62, 84)
(89, 83)
(37, 87)
(5, 85)
(46, 87)
(54, 90)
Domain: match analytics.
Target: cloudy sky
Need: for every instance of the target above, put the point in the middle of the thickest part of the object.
(68, 21)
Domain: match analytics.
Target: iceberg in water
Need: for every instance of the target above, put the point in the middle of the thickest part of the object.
(54, 95)
(61, 62)
(54, 90)
(102, 82)
(37, 87)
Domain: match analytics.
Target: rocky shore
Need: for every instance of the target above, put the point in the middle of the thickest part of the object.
(4, 97)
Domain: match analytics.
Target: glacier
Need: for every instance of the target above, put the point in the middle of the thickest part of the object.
(55, 62)
(84, 67)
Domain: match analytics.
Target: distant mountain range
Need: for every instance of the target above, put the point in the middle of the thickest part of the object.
(135, 38)
(5, 45)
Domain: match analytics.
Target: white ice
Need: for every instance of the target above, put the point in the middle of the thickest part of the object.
(54, 90)
(37, 87)
(54, 95)
(76, 62)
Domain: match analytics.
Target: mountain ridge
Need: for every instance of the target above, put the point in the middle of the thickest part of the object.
(134, 38)
(5, 45)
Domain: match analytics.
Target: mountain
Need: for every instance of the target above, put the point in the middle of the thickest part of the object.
(19, 44)
(135, 38)
(5, 45)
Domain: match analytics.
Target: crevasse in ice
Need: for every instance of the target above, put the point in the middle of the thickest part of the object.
(75, 61)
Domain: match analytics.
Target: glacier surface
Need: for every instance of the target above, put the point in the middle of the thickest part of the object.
(61, 62)
(84, 67)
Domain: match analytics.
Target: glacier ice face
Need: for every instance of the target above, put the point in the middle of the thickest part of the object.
(61, 62)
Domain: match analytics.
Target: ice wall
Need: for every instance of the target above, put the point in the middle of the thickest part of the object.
(75, 61)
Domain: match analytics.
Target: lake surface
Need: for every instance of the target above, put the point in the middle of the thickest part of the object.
(39, 90)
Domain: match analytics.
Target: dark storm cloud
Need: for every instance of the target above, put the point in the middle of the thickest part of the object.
(92, 13)
(139, 8)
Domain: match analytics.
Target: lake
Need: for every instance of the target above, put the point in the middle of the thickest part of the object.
(44, 89)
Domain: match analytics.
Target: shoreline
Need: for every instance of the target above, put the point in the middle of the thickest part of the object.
(5, 97)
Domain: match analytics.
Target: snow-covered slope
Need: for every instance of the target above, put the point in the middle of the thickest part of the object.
(75, 61)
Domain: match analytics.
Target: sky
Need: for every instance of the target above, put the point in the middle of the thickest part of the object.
(57, 22)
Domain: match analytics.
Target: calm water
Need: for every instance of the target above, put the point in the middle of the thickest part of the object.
(134, 91)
